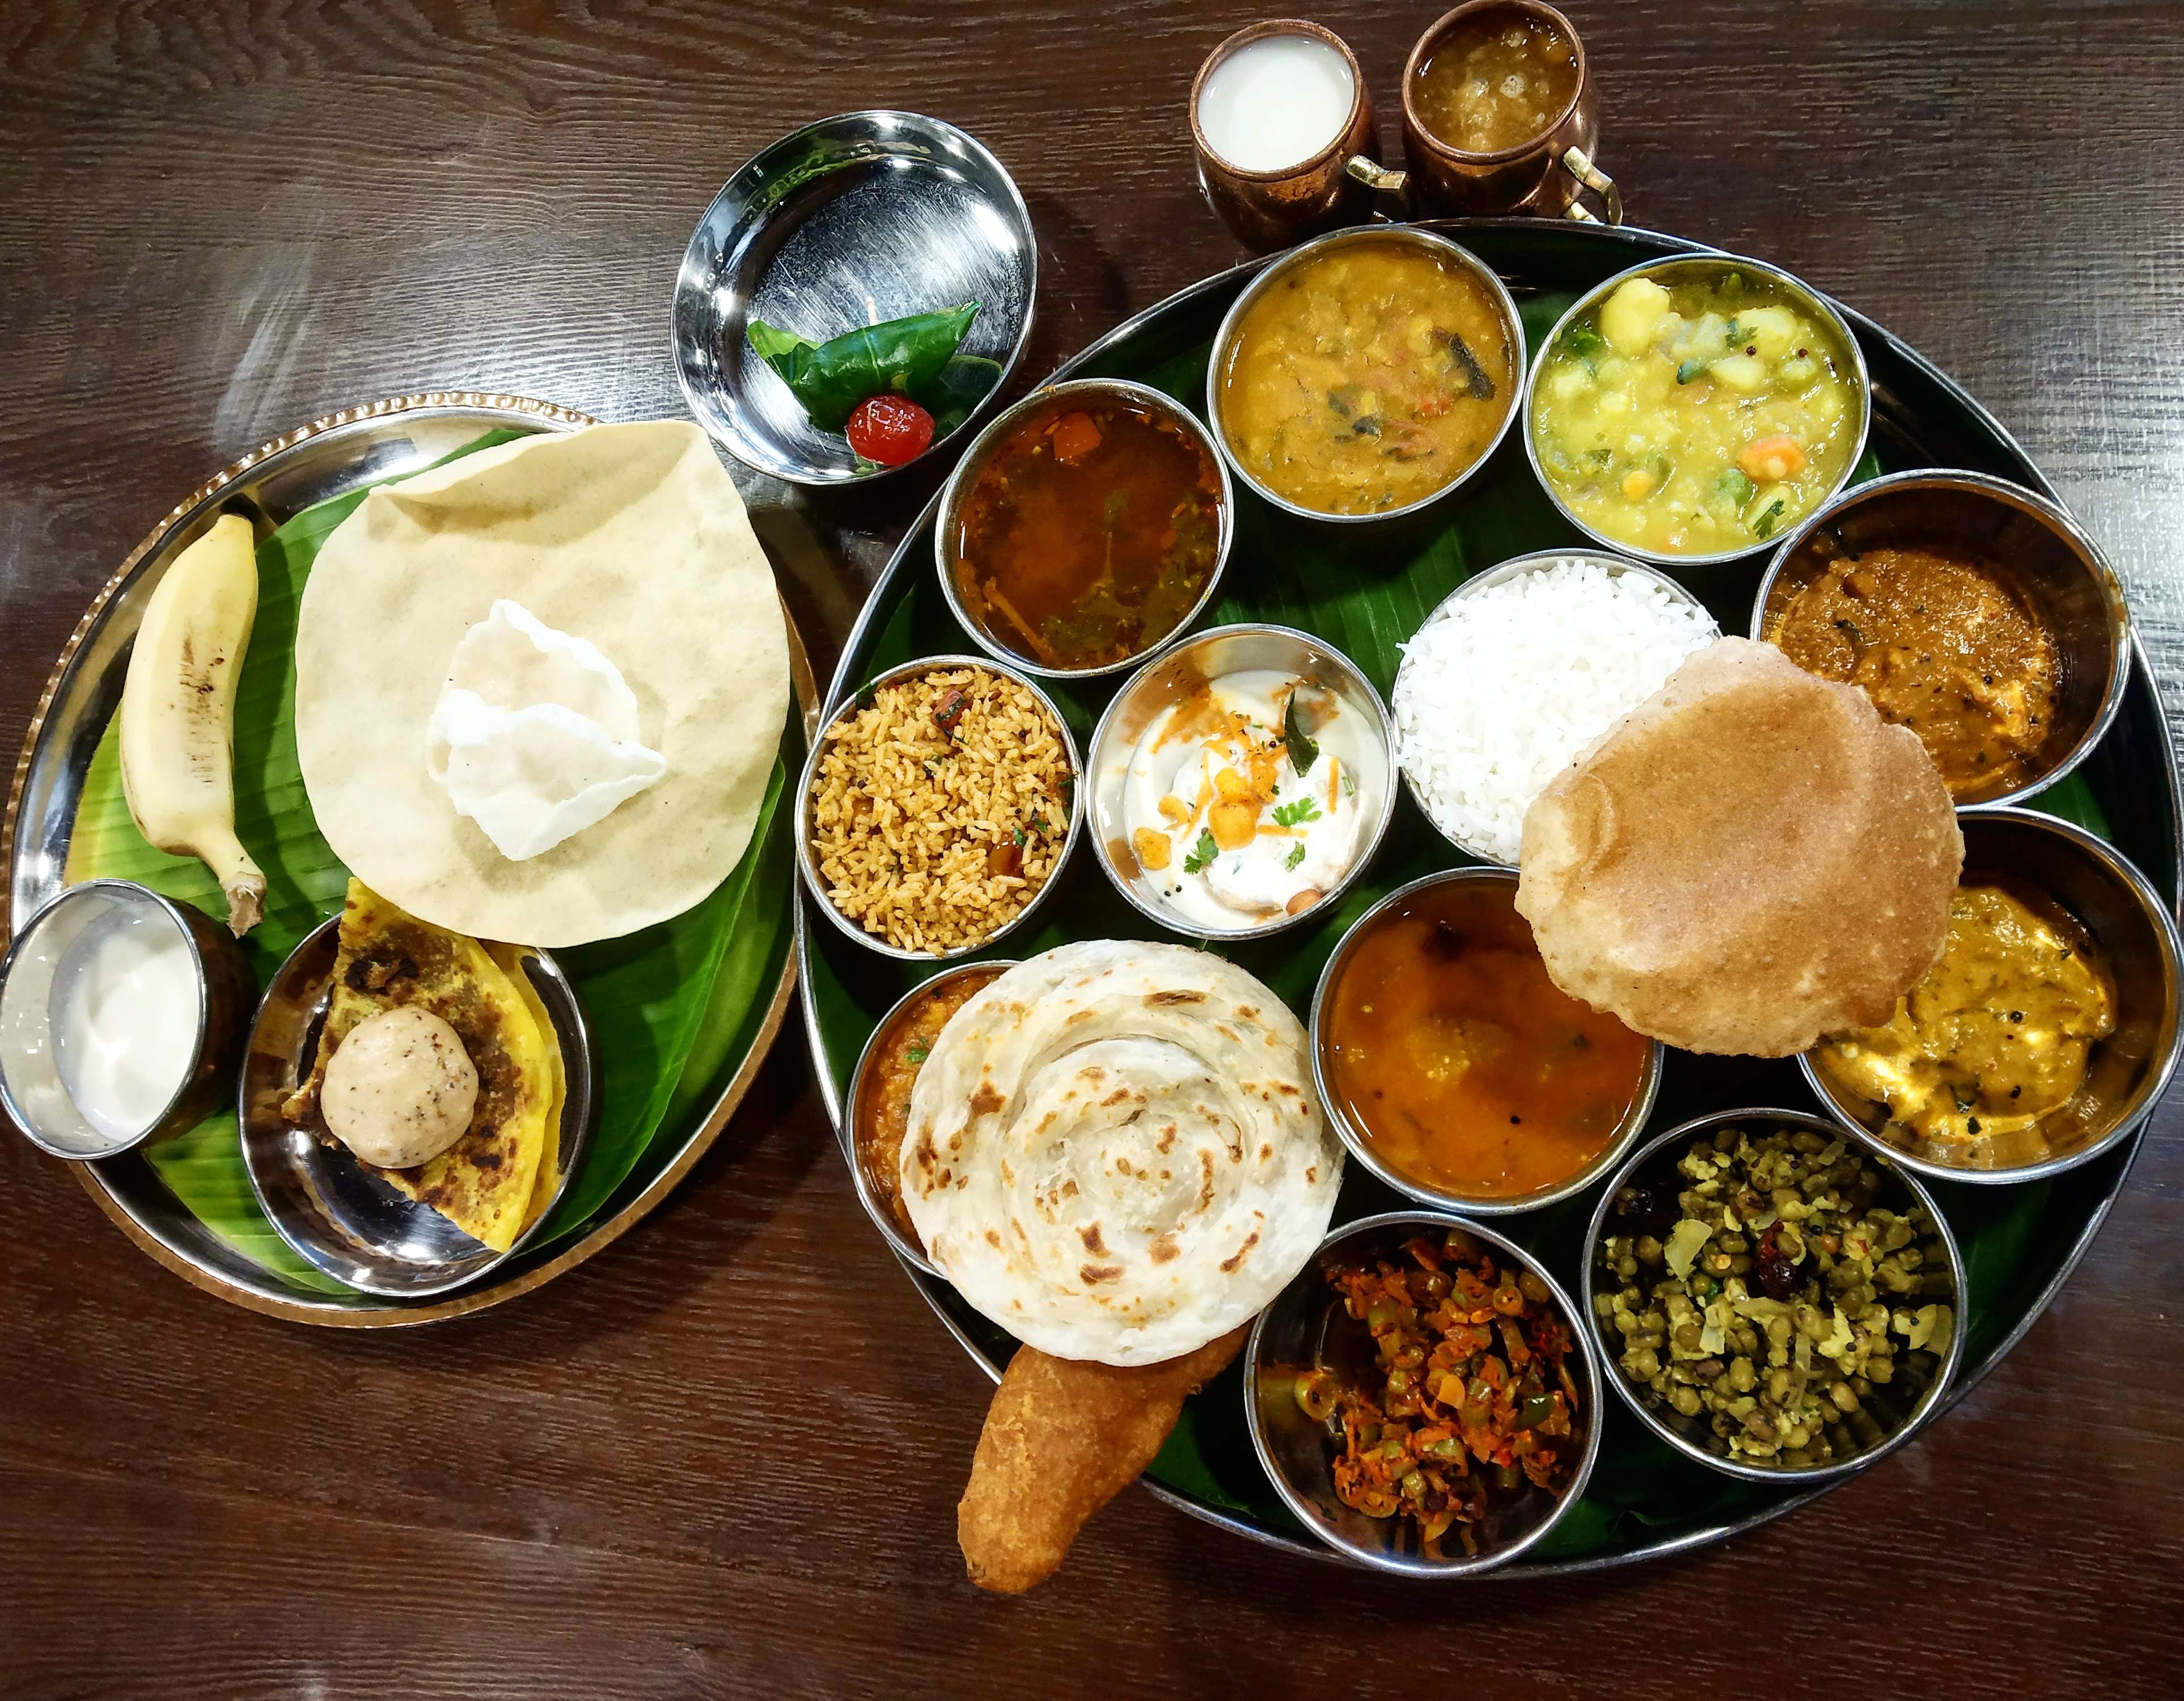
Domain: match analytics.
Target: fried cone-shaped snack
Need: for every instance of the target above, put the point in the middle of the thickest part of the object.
(1751, 859)
(1062, 1438)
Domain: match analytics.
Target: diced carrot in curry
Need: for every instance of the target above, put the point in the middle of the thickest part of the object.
(1772, 459)
(1075, 436)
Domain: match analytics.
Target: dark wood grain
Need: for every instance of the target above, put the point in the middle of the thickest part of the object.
(722, 1458)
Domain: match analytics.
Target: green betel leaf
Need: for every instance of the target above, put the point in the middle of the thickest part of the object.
(685, 994)
(657, 984)
(906, 355)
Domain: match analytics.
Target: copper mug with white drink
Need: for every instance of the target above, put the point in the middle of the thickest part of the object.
(1278, 114)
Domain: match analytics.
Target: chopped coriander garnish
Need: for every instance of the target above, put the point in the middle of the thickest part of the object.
(1290, 814)
(1201, 854)
(1349, 783)
(917, 1054)
(1295, 856)
(1584, 341)
(1764, 526)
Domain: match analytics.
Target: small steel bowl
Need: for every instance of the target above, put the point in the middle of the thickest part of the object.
(1306, 1325)
(1209, 656)
(1889, 1416)
(2127, 1071)
(2056, 562)
(1513, 568)
(851, 221)
(900, 1233)
(44, 952)
(982, 450)
(807, 859)
(351, 1225)
(1412, 235)
(1667, 271)
(1360, 1147)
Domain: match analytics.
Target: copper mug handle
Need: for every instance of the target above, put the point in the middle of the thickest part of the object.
(1575, 161)
(1580, 165)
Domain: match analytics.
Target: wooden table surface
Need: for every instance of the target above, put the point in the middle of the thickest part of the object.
(723, 1458)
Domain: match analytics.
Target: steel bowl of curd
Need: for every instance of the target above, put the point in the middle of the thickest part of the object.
(1239, 785)
(122, 1019)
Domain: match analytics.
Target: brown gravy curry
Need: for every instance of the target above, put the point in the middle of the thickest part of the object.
(1945, 643)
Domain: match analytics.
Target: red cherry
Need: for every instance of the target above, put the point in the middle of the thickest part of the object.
(890, 429)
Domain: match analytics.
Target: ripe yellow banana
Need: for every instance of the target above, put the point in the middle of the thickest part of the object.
(178, 711)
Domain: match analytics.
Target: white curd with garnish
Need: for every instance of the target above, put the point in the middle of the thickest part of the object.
(1233, 822)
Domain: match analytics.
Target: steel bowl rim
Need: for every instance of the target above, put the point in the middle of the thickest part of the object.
(1359, 1148)
(2115, 866)
(973, 461)
(1303, 253)
(1589, 1359)
(575, 1144)
(1190, 930)
(135, 892)
(957, 136)
(808, 874)
(1501, 572)
(903, 1245)
(2061, 520)
(1718, 261)
(1929, 1403)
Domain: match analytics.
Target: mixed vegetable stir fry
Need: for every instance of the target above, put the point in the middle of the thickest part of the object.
(1763, 1291)
(1474, 1402)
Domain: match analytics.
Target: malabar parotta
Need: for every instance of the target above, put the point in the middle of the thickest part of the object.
(1115, 1152)
(631, 537)
(1750, 859)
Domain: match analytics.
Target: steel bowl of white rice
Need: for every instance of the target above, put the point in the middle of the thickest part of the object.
(1520, 669)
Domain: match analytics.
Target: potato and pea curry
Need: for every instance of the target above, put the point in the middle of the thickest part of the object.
(1368, 379)
(1697, 417)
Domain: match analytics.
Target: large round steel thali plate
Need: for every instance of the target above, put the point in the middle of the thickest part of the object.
(314, 463)
(2023, 1242)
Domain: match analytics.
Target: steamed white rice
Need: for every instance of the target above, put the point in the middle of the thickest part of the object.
(1508, 685)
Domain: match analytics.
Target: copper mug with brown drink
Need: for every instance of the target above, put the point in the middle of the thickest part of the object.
(1501, 114)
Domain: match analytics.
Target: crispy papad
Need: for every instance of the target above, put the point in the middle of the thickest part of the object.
(631, 537)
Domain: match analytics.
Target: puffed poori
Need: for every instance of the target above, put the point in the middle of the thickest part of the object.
(1751, 859)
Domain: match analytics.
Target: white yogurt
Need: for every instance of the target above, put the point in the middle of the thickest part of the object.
(1305, 828)
(1276, 101)
(124, 1015)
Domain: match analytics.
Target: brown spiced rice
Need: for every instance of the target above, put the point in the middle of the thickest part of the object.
(932, 829)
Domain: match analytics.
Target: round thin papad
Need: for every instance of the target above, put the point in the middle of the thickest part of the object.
(1114, 1150)
(632, 536)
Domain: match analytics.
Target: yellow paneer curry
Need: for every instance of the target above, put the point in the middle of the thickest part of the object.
(1999, 1032)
